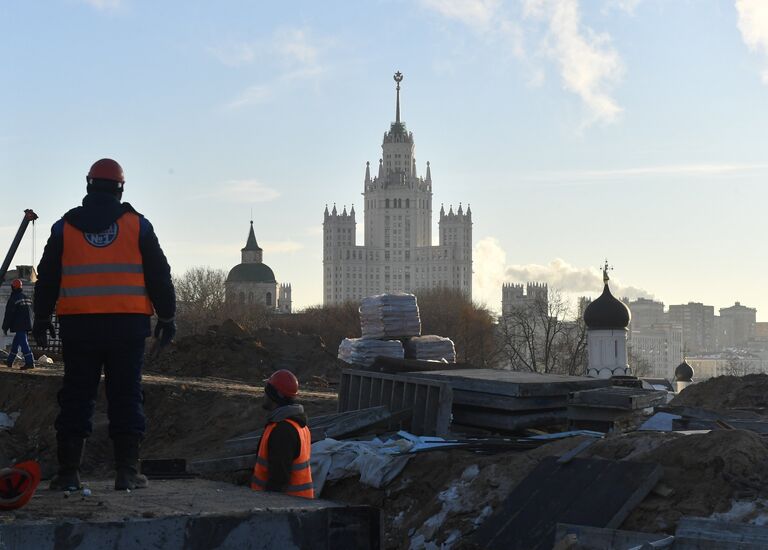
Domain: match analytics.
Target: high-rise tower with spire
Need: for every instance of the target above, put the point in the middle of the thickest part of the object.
(398, 253)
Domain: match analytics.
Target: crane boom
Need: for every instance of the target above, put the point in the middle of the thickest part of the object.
(29, 216)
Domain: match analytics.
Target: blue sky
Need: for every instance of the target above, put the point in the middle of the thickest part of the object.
(578, 130)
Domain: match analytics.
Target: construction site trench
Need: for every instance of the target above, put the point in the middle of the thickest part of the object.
(207, 389)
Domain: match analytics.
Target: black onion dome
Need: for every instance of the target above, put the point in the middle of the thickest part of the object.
(684, 372)
(251, 273)
(607, 313)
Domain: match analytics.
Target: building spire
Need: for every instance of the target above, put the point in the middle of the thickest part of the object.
(251, 243)
(398, 78)
(367, 172)
(429, 173)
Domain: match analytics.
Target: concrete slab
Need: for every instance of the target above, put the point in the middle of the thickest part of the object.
(186, 514)
(513, 383)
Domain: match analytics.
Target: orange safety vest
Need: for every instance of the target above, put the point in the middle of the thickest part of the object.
(300, 483)
(103, 272)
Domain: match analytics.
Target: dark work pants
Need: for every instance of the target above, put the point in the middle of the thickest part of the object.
(121, 361)
(20, 342)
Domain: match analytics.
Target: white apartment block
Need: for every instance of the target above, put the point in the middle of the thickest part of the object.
(398, 254)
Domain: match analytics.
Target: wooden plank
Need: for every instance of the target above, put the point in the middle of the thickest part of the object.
(492, 419)
(685, 424)
(507, 403)
(596, 538)
(228, 464)
(578, 449)
(616, 397)
(591, 492)
(513, 383)
(706, 534)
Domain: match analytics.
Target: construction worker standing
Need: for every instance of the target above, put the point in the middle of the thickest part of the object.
(18, 319)
(104, 272)
(282, 464)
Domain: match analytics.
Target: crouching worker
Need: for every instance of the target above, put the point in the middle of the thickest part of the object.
(284, 450)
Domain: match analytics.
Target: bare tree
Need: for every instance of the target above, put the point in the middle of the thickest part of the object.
(639, 365)
(541, 336)
(451, 313)
(736, 366)
(201, 296)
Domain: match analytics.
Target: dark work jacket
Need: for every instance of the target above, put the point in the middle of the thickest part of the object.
(284, 448)
(98, 212)
(18, 312)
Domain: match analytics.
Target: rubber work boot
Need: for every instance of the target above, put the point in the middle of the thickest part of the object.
(70, 454)
(127, 474)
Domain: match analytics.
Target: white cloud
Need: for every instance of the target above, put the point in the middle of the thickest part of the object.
(587, 62)
(295, 56)
(258, 93)
(234, 54)
(628, 6)
(566, 177)
(475, 13)
(240, 191)
(295, 46)
(492, 271)
(104, 5)
(281, 247)
(753, 24)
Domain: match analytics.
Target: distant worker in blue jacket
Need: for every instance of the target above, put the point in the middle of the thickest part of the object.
(105, 274)
(18, 319)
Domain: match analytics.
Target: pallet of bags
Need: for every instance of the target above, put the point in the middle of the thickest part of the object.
(364, 351)
(430, 348)
(387, 316)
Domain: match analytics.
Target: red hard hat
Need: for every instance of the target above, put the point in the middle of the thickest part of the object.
(285, 382)
(16, 284)
(106, 169)
(17, 484)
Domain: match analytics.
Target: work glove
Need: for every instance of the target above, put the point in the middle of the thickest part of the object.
(165, 330)
(41, 329)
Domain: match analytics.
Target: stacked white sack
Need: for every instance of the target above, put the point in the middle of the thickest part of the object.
(431, 348)
(363, 351)
(390, 316)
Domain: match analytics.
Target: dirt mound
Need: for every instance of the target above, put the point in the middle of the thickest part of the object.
(706, 471)
(228, 351)
(726, 392)
(443, 496)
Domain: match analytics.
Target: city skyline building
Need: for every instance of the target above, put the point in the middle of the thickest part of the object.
(397, 254)
(698, 323)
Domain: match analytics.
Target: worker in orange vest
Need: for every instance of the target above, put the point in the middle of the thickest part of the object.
(105, 274)
(282, 464)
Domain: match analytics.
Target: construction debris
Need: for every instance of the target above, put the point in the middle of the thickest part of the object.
(597, 493)
(611, 408)
(364, 351)
(430, 348)
(390, 316)
(428, 400)
(508, 400)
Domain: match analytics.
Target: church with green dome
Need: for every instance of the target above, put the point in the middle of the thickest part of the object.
(252, 282)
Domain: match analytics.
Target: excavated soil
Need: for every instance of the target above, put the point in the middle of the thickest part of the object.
(442, 496)
(726, 392)
(187, 417)
(230, 352)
